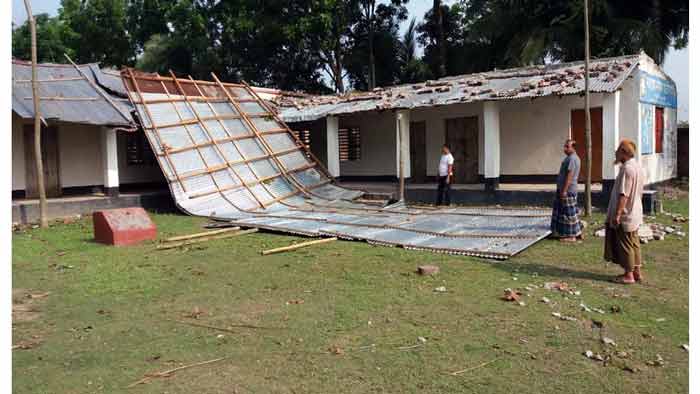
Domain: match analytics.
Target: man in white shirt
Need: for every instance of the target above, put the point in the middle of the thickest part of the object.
(444, 176)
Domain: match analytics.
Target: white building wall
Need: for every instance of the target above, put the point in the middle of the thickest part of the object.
(659, 166)
(435, 130)
(18, 164)
(532, 133)
(80, 155)
(377, 144)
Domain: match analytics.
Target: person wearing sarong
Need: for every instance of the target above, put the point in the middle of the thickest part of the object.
(565, 223)
(625, 215)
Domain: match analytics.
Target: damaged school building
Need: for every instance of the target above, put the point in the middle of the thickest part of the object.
(226, 151)
(505, 128)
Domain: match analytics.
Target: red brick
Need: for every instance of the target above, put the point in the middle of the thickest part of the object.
(124, 226)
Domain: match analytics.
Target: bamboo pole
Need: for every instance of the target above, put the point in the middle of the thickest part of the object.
(297, 246)
(202, 234)
(589, 143)
(204, 239)
(402, 185)
(43, 204)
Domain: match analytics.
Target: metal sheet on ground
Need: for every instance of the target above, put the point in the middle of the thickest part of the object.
(227, 155)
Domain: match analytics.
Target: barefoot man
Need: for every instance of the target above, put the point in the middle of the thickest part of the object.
(565, 223)
(622, 245)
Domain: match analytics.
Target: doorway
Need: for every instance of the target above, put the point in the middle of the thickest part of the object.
(578, 133)
(49, 155)
(418, 160)
(462, 136)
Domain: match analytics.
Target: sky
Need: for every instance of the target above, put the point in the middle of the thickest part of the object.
(675, 64)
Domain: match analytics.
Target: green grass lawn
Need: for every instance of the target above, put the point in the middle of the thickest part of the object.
(340, 317)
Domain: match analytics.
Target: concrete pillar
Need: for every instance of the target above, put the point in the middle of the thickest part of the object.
(332, 146)
(492, 145)
(611, 137)
(403, 125)
(110, 162)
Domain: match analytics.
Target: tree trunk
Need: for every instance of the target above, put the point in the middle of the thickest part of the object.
(43, 205)
(589, 144)
(442, 49)
(372, 76)
(338, 65)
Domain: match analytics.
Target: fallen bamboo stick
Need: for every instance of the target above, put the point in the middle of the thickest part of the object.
(204, 239)
(475, 367)
(165, 374)
(297, 246)
(202, 234)
(225, 329)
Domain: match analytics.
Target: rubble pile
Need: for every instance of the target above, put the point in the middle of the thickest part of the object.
(498, 84)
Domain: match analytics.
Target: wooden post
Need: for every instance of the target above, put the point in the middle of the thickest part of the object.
(402, 185)
(43, 205)
(297, 246)
(587, 110)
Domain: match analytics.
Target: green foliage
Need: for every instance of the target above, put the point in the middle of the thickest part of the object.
(290, 44)
(100, 28)
(521, 32)
(52, 36)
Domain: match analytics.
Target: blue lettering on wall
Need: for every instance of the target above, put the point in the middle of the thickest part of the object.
(657, 91)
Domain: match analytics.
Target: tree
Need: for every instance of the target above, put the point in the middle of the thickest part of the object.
(338, 18)
(384, 46)
(52, 45)
(146, 18)
(413, 69)
(100, 31)
(276, 43)
(441, 36)
(514, 33)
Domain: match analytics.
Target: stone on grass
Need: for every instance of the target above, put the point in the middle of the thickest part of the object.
(428, 269)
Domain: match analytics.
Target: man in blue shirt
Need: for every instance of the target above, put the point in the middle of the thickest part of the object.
(565, 222)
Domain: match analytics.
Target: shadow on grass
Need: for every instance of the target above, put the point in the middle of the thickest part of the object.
(559, 272)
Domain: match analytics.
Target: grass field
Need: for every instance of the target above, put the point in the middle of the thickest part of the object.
(340, 317)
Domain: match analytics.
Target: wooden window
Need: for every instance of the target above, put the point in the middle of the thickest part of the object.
(138, 150)
(305, 138)
(659, 129)
(349, 144)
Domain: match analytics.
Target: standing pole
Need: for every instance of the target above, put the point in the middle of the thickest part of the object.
(43, 205)
(589, 143)
(399, 117)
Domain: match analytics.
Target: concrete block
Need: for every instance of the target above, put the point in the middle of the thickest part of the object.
(125, 226)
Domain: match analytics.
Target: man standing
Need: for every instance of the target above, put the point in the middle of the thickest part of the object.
(444, 176)
(622, 245)
(565, 222)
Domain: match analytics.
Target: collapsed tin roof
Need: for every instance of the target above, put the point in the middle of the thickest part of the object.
(68, 93)
(606, 75)
(226, 155)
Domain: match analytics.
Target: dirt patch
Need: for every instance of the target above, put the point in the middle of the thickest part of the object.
(26, 304)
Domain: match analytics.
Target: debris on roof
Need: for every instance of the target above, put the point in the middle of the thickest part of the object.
(606, 75)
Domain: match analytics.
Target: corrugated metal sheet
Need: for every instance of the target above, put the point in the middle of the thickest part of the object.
(607, 75)
(256, 178)
(66, 95)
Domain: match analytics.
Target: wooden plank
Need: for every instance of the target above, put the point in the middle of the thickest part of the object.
(297, 246)
(205, 239)
(202, 234)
